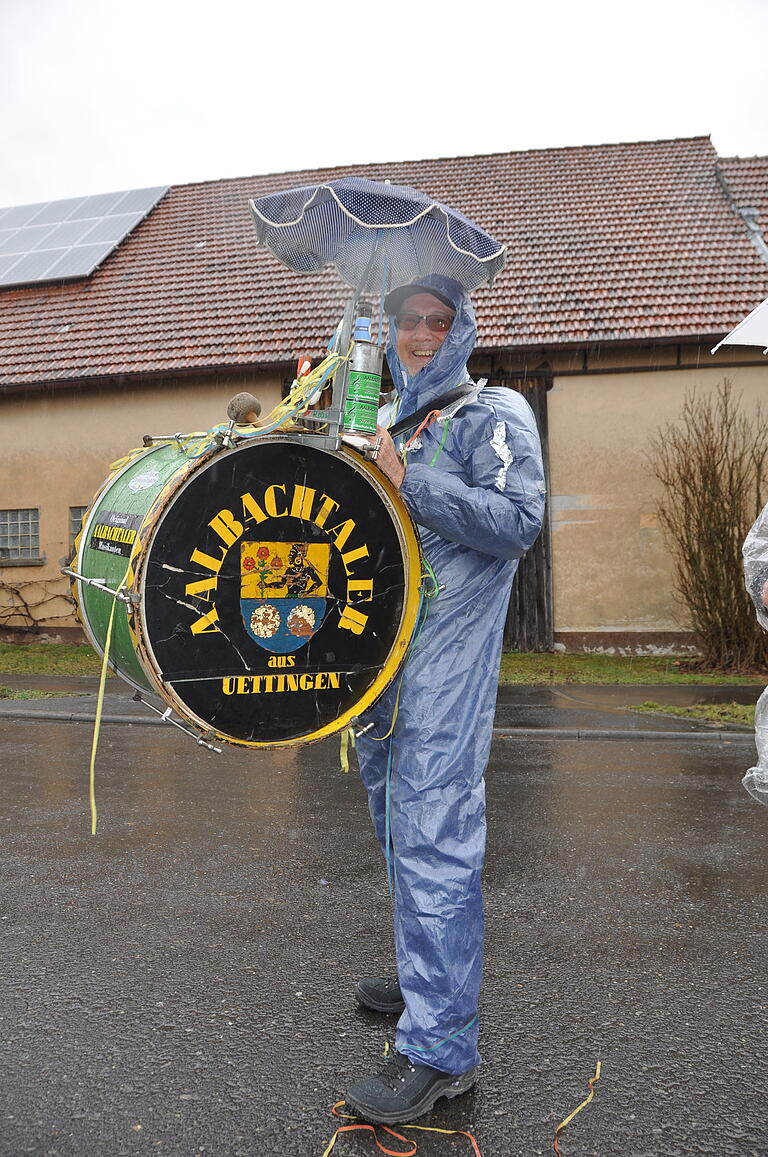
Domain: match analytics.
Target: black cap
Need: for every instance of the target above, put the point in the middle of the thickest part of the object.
(396, 297)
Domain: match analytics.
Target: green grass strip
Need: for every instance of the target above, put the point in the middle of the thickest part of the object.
(741, 713)
(541, 669)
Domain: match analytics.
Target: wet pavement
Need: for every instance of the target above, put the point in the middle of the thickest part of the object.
(570, 711)
(181, 983)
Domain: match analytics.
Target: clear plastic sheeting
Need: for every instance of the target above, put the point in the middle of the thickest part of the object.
(755, 552)
(377, 235)
(756, 779)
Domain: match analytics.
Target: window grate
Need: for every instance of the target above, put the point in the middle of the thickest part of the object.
(19, 535)
(75, 523)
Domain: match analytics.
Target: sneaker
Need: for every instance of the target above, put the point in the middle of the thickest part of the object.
(380, 994)
(403, 1090)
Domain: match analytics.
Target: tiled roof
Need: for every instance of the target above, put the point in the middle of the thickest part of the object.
(745, 180)
(607, 243)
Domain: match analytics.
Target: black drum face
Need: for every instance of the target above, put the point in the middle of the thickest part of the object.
(275, 592)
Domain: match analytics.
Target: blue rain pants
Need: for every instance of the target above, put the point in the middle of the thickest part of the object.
(478, 501)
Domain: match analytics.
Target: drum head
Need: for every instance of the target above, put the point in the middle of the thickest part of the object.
(278, 591)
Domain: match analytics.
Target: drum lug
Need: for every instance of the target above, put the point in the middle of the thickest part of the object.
(222, 439)
(166, 717)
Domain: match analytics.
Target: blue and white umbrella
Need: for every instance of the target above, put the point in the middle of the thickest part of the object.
(376, 234)
(753, 330)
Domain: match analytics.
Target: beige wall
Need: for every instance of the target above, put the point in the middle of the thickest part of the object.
(56, 447)
(612, 571)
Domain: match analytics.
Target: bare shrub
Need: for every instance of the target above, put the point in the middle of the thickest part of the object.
(712, 464)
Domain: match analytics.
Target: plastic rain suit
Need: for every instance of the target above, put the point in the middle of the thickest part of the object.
(755, 554)
(479, 503)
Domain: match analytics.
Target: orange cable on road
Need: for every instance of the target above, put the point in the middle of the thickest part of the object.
(394, 1152)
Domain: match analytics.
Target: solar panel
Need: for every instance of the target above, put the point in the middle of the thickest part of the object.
(61, 240)
(71, 260)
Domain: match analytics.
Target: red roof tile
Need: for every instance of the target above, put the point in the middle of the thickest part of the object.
(607, 243)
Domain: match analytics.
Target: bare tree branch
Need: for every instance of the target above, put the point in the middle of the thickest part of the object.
(712, 464)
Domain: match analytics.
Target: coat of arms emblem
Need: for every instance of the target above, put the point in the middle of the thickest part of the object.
(283, 592)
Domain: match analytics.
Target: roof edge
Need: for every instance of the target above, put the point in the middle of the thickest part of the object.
(460, 157)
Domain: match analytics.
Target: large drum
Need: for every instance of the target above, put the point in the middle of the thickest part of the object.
(272, 588)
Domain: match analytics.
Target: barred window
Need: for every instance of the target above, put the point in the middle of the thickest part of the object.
(19, 535)
(75, 523)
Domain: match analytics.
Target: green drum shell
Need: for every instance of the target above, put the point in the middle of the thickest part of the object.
(120, 507)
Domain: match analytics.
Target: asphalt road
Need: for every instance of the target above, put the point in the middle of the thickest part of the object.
(182, 982)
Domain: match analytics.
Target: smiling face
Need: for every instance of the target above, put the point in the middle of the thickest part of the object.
(416, 347)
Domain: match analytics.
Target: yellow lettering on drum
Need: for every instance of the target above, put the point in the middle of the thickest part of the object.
(320, 681)
(334, 680)
(270, 502)
(202, 589)
(228, 685)
(227, 527)
(301, 506)
(207, 560)
(342, 531)
(352, 620)
(306, 682)
(293, 682)
(363, 588)
(251, 508)
(206, 624)
(243, 684)
(327, 506)
(353, 556)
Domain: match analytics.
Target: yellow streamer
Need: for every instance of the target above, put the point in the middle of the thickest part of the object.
(347, 741)
(584, 1103)
(99, 708)
(395, 1153)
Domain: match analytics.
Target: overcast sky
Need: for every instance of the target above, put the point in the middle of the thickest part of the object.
(99, 96)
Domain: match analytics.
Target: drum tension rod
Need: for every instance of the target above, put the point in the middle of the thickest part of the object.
(100, 584)
(166, 717)
(151, 439)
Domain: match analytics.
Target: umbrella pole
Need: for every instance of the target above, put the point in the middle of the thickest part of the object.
(341, 377)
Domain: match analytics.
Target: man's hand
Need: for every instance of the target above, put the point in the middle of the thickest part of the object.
(387, 458)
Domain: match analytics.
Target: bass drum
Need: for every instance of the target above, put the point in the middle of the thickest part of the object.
(273, 588)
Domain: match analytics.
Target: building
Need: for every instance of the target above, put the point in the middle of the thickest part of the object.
(626, 264)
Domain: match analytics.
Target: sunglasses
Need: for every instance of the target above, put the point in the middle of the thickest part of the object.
(436, 322)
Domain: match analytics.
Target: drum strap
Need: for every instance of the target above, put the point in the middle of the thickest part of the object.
(412, 421)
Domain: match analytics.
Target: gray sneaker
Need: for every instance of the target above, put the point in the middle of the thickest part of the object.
(380, 993)
(404, 1090)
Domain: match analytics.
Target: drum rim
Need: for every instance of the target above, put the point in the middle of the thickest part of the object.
(81, 541)
(411, 548)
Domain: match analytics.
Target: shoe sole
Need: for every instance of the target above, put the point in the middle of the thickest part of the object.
(454, 1088)
(378, 1006)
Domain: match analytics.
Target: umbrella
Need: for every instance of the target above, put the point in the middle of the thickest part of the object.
(378, 235)
(753, 330)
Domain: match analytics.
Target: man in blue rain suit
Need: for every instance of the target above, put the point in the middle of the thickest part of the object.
(477, 495)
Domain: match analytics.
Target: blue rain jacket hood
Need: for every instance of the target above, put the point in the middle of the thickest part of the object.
(475, 488)
(449, 365)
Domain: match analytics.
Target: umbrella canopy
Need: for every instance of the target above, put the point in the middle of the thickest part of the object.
(377, 235)
(753, 330)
